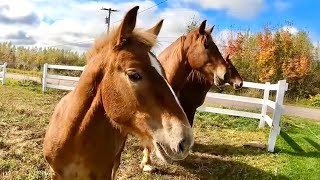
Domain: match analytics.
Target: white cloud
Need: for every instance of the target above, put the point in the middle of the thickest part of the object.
(74, 25)
(174, 25)
(281, 5)
(291, 29)
(242, 9)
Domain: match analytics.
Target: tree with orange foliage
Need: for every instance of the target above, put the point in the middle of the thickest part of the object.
(269, 57)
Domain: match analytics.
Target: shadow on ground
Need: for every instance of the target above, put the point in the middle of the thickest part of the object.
(216, 168)
(297, 150)
(208, 162)
(227, 150)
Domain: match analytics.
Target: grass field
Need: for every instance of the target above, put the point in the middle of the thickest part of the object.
(218, 152)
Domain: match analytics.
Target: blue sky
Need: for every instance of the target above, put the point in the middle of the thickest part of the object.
(74, 24)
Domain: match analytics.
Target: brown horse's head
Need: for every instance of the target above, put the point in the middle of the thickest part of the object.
(204, 56)
(134, 92)
(234, 78)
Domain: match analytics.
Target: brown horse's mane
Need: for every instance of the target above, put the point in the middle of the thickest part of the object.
(138, 35)
(178, 49)
(197, 76)
(174, 50)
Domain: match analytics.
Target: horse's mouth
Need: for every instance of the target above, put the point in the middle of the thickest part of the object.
(237, 87)
(162, 151)
(218, 82)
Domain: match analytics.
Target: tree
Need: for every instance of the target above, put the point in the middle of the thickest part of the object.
(193, 24)
(271, 56)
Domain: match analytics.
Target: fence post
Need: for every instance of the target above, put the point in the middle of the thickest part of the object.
(44, 77)
(4, 73)
(264, 105)
(275, 129)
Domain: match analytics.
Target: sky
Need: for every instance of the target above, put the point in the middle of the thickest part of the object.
(74, 24)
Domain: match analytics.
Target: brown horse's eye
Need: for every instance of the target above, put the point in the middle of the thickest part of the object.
(134, 76)
(206, 44)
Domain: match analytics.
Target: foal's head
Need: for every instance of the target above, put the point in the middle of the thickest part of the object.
(135, 94)
(204, 56)
(234, 78)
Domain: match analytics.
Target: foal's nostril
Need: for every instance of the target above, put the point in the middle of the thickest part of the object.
(241, 84)
(181, 146)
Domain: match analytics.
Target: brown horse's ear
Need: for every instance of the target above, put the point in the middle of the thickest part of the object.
(228, 58)
(210, 29)
(127, 25)
(202, 27)
(156, 29)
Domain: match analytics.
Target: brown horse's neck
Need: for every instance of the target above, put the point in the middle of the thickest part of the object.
(193, 94)
(175, 63)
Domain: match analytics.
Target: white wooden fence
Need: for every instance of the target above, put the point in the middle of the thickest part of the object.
(46, 84)
(3, 73)
(276, 105)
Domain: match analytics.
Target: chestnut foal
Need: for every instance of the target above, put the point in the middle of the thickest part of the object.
(122, 90)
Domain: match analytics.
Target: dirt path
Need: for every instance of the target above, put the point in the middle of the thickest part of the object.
(23, 76)
(288, 109)
(39, 79)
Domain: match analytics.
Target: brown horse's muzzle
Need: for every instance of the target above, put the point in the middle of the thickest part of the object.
(237, 83)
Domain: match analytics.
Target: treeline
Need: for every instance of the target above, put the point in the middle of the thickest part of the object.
(259, 57)
(271, 56)
(33, 58)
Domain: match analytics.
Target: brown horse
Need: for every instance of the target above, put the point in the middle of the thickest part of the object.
(194, 51)
(122, 90)
(192, 64)
(195, 89)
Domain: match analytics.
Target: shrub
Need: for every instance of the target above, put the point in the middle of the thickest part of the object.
(315, 100)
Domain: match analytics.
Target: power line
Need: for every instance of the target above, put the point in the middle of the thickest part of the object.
(144, 9)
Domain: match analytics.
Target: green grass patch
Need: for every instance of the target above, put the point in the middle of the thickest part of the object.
(218, 152)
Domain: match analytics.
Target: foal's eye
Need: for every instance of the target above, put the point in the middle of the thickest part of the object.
(134, 76)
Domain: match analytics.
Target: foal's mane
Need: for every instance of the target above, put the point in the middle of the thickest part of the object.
(110, 40)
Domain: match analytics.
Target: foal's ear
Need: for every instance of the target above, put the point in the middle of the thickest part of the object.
(156, 29)
(202, 27)
(210, 29)
(127, 25)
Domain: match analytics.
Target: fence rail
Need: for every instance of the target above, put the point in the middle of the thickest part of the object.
(3, 71)
(276, 105)
(46, 84)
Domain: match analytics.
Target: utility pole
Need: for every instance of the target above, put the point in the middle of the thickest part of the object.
(109, 15)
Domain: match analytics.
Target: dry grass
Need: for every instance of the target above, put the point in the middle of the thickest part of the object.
(217, 154)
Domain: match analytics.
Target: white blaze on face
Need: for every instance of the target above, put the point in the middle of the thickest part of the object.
(170, 137)
(155, 63)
